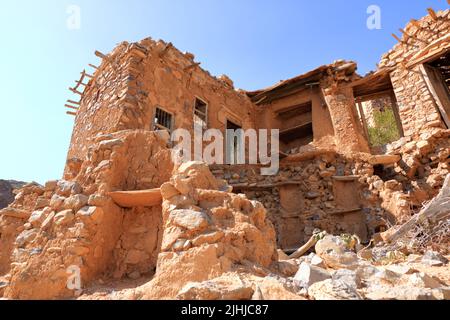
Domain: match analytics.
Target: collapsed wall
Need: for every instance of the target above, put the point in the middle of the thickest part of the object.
(74, 225)
(207, 232)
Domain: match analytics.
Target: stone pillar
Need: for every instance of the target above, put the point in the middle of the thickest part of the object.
(347, 128)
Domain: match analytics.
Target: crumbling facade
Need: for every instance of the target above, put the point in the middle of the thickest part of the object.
(125, 210)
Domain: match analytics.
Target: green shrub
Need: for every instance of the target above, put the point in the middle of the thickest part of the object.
(385, 130)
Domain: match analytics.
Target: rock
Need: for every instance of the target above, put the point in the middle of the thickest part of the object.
(67, 188)
(312, 195)
(51, 185)
(387, 276)
(189, 219)
(95, 214)
(422, 280)
(393, 185)
(64, 217)
(223, 288)
(317, 261)
(75, 202)
(46, 224)
(57, 202)
(424, 147)
(26, 237)
(287, 267)
(333, 290)
(401, 269)
(442, 293)
(272, 288)
(96, 200)
(41, 203)
(308, 275)
(168, 191)
(434, 259)
(282, 256)
(37, 217)
(401, 292)
(15, 213)
(109, 144)
(378, 185)
(335, 253)
(350, 277)
(208, 238)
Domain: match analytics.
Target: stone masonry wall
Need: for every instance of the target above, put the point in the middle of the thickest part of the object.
(417, 107)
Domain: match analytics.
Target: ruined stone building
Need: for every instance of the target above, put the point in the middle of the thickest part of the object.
(109, 204)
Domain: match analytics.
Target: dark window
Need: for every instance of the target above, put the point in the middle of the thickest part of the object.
(163, 120)
(201, 112)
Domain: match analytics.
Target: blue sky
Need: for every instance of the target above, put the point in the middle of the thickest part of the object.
(255, 42)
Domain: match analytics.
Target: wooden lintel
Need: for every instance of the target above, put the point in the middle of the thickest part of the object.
(261, 100)
(374, 96)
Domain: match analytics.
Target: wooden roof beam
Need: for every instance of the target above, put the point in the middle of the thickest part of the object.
(432, 14)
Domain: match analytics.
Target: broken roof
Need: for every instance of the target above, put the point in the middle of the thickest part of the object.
(288, 87)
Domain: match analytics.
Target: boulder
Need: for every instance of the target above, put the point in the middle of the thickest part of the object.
(350, 277)
(307, 275)
(193, 221)
(226, 287)
(434, 259)
(333, 290)
(335, 253)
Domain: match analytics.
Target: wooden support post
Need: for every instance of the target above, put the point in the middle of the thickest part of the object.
(76, 92)
(397, 38)
(101, 55)
(432, 14)
(73, 102)
(92, 66)
(396, 111)
(407, 36)
(71, 113)
(71, 107)
(364, 120)
(415, 23)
